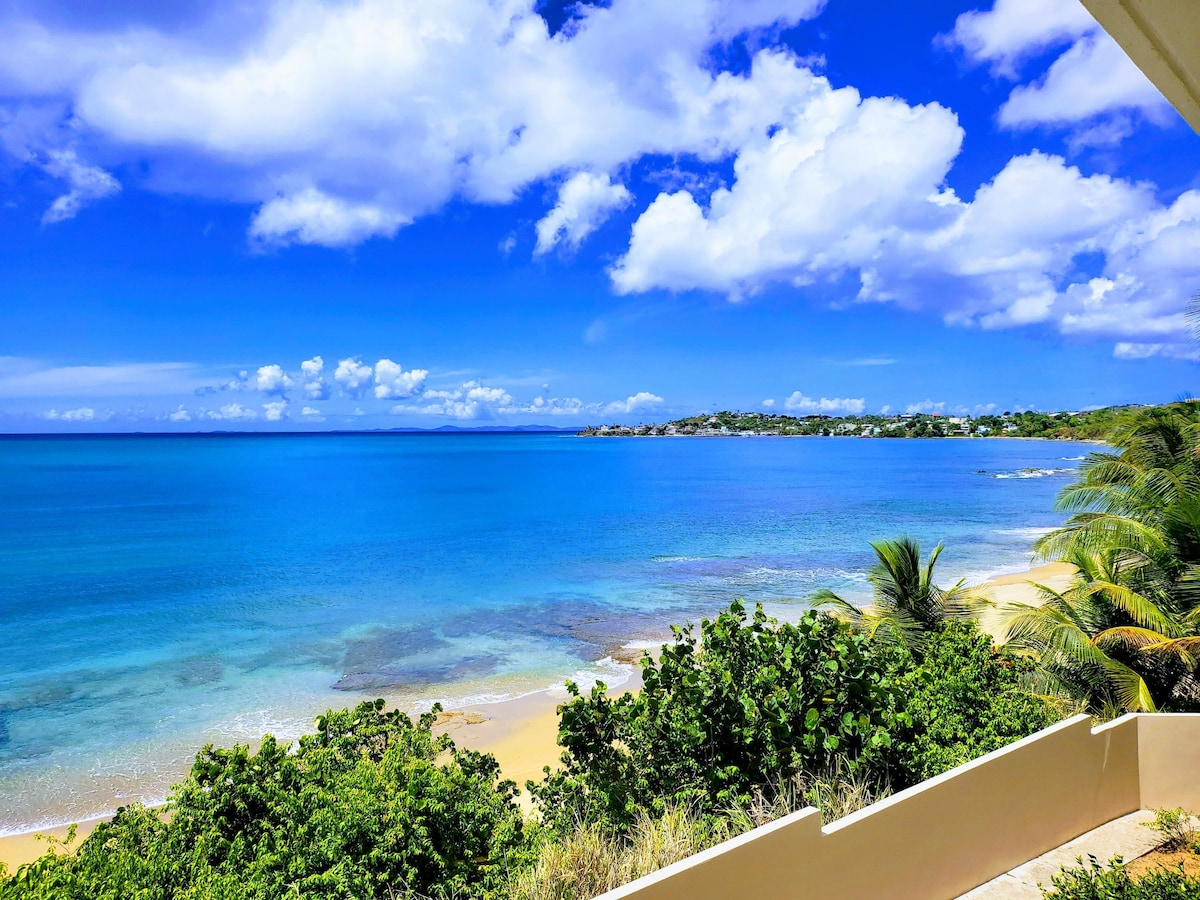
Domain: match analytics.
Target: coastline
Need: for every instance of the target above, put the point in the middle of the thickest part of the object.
(522, 732)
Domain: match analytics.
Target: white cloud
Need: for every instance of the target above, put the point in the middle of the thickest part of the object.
(315, 387)
(769, 403)
(925, 406)
(82, 414)
(346, 121)
(1093, 77)
(797, 402)
(393, 383)
(311, 412)
(32, 378)
(180, 415)
(476, 400)
(85, 184)
(353, 376)
(1013, 30)
(312, 217)
(472, 400)
(272, 380)
(275, 411)
(641, 401)
(231, 412)
(585, 201)
(825, 192)
(1133, 350)
(1091, 81)
(1002, 259)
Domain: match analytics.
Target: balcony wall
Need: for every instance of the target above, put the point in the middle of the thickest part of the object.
(945, 836)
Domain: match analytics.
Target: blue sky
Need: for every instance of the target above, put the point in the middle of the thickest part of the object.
(314, 215)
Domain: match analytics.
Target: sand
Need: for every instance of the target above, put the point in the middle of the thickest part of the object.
(1019, 588)
(522, 733)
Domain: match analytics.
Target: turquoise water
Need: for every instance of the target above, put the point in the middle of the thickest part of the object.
(160, 592)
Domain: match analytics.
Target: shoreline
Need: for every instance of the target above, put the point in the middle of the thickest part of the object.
(521, 732)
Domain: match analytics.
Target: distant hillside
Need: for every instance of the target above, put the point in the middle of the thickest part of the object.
(1094, 424)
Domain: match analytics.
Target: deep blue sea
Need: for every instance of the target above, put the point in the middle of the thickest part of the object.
(157, 593)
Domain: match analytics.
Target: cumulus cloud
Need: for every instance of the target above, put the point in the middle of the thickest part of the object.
(392, 382)
(275, 411)
(346, 121)
(272, 380)
(1002, 259)
(1092, 78)
(312, 217)
(1013, 30)
(82, 414)
(797, 402)
(825, 192)
(311, 371)
(585, 201)
(180, 415)
(312, 413)
(471, 400)
(352, 376)
(641, 401)
(925, 406)
(230, 412)
(476, 400)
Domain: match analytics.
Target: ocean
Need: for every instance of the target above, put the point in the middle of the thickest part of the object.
(158, 593)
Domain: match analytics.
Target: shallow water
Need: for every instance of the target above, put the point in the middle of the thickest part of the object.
(160, 592)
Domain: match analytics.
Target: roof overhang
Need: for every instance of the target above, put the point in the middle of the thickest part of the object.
(1162, 37)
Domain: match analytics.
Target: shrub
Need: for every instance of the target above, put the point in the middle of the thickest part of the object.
(371, 806)
(1094, 882)
(1177, 827)
(965, 699)
(749, 703)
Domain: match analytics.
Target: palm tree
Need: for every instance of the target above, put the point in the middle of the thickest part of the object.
(1125, 635)
(1103, 642)
(906, 603)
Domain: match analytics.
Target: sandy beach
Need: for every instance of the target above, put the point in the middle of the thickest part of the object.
(522, 732)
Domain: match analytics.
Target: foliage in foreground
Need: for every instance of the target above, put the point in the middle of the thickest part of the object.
(752, 702)
(747, 702)
(371, 806)
(906, 603)
(965, 698)
(1126, 635)
(1095, 882)
(748, 721)
(592, 858)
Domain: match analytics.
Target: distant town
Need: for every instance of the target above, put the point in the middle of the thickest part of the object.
(1080, 425)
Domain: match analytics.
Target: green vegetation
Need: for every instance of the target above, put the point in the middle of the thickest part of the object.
(371, 806)
(1096, 424)
(1177, 827)
(906, 603)
(753, 702)
(1094, 882)
(1124, 636)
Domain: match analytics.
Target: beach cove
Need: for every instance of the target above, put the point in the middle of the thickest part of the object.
(213, 589)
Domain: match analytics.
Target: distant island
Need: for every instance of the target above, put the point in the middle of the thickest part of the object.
(1084, 425)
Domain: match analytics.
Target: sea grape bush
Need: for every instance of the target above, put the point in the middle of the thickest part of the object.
(371, 806)
(746, 703)
(965, 698)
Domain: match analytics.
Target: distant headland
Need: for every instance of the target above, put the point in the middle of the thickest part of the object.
(1094, 424)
